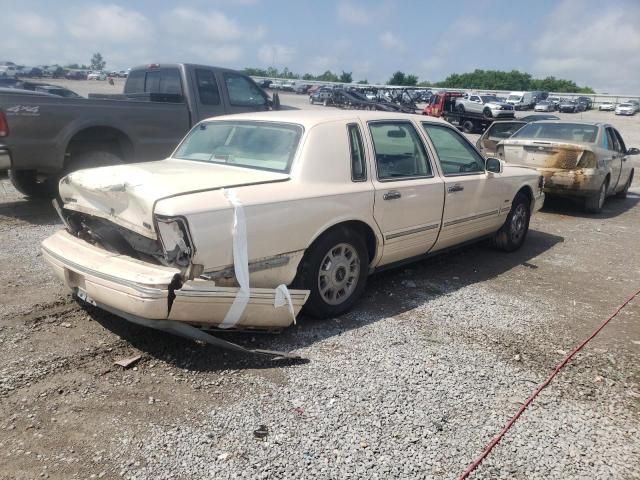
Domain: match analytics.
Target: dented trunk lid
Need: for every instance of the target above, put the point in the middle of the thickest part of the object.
(542, 154)
(127, 194)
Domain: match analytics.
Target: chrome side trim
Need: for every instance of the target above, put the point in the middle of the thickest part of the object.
(144, 291)
(413, 230)
(473, 217)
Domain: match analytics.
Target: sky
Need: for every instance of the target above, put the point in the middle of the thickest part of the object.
(594, 43)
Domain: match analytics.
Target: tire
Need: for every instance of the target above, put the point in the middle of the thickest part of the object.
(325, 278)
(325, 102)
(623, 193)
(487, 113)
(460, 108)
(595, 202)
(311, 101)
(468, 126)
(513, 233)
(28, 184)
(92, 159)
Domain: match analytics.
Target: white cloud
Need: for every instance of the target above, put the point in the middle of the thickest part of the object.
(32, 24)
(276, 54)
(391, 42)
(213, 25)
(599, 47)
(109, 24)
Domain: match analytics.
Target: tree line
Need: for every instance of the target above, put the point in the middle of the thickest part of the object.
(478, 79)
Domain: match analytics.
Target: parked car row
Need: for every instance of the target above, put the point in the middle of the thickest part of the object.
(355, 98)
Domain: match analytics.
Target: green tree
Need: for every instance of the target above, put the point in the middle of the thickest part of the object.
(346, 77)
(328, 76)
(402, 79)
(97, 62)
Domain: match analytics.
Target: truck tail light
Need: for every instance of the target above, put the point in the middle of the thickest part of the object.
(4, 125)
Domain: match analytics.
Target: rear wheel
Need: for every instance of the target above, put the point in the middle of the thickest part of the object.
(595, 202)
(30, 184)
(512, 234)
(623, 193)
(334, 270)
(468, 126)
(460, 108)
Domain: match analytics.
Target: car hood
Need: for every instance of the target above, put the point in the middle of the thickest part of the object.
(127, 194)
(497, 104)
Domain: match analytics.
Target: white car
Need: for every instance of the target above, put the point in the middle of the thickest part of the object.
(607, 106)
(8, 71)
(97, 76)
(625, 109)
(488, 105)
(255, 214)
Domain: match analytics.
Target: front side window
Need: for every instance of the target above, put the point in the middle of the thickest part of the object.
(207, 87)
(399, 151)
(456, 155)
(260, 145)
(242, 91)
(358, 163)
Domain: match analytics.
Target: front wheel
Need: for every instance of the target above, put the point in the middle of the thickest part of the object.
(468, 126)
(487, 113)
(334, 270)
(460, 108)
(512, 234)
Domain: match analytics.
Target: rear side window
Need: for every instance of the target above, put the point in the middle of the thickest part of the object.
(358, 163)
(242, 91)
(621, 145)
(456, 155)
(399, 151)
(207, 87)
(612, 141)
(161, 80)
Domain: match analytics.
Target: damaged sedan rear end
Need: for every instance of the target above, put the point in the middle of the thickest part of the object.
(579, 159)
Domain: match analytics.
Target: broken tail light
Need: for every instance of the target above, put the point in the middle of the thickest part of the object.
(175, 238)
(4, 125)
(587, 160)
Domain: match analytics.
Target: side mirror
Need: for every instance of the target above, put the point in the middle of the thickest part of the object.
(633, 151)
(493, 165)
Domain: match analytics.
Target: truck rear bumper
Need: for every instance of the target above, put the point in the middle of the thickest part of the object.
(5, 159)
(132, 288)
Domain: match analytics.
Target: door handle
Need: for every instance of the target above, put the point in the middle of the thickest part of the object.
(392, 195)
(455, 188)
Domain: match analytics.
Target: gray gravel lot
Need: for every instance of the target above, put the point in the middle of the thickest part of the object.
(411, 384)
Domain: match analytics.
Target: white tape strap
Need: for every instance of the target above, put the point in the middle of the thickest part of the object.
(240, 262)
(283, 298)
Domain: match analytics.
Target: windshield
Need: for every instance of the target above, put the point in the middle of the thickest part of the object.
(625, 105)
(514, 97)
(571, 132)
(489, 98)
(261, 145)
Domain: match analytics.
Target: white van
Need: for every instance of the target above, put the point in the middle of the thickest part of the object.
(521, 100)
(8, 71)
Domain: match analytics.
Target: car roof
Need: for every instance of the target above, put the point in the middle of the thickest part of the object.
(310, 118)
(576, 122)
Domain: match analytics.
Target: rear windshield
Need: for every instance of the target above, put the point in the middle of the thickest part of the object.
(572, 132)
(159, 80)
(260, 145)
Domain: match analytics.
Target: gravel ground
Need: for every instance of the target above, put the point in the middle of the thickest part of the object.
(411, 384)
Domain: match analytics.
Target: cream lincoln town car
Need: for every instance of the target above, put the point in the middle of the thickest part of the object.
(255, 216)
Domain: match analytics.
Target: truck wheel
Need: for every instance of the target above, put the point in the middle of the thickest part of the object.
(28, 184)
(623, 193)
(595, 202)
(311, 100)
(468, 126)
(487, 113)
(460, 108)
(92, 159)
(512, 234)
(334, 270)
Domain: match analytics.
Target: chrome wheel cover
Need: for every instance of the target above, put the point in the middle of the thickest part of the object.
(518, 222)
(339, 274)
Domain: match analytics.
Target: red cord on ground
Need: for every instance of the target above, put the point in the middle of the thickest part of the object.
(524, 406)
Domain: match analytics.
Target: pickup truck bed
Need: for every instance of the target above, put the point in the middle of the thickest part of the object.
(49, 136)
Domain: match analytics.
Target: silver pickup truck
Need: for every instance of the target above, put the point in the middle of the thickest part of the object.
(43, 137)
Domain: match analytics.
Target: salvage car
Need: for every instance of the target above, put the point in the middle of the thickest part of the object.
(488, 105)
(571, 106)
(253, 208)
(577, 159)
(625, 109)
(607, 106)
(544, 106)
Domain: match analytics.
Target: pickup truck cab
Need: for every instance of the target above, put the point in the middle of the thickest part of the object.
(46, 136)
